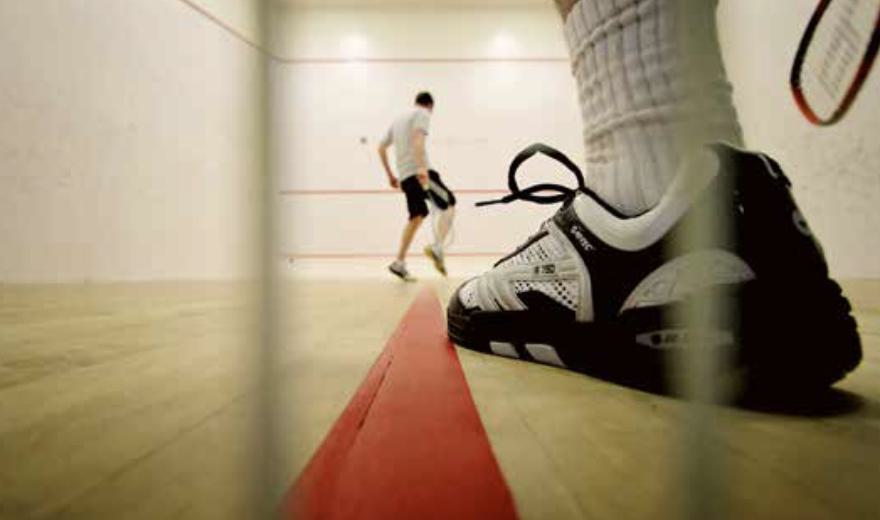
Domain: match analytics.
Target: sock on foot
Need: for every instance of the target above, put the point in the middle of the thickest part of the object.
(636, 96)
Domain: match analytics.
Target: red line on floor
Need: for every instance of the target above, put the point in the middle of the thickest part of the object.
(410, 444)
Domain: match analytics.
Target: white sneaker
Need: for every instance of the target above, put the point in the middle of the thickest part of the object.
(399, 270)
(598, 292)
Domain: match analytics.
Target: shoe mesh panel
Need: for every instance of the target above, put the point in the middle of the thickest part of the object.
(544, 250)
(468, 294)
(563, 292)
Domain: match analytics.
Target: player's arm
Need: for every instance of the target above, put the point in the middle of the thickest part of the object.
(418, 144)
(383, 155)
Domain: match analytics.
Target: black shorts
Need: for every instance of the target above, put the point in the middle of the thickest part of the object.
(417, 197)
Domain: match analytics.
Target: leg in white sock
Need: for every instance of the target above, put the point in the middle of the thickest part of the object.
(637, 91)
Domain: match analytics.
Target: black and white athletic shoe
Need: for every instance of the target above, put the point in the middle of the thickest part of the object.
(399, 270)
(595, 291)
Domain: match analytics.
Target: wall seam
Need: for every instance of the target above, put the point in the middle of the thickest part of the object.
(230, 29)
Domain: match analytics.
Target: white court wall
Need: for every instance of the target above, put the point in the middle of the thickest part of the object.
(127, 140)
(835, 170)
(335, 110)
(127, 147)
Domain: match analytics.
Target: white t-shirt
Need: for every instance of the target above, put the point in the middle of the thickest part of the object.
(400, 135)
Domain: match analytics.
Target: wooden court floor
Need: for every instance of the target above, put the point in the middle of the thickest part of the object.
(138, 401)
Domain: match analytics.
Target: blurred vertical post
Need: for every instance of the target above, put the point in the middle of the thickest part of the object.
(268, 477)
(698, 371)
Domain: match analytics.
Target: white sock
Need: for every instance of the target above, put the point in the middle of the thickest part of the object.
(634, 96)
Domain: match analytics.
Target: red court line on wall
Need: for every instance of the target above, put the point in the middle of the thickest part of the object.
(296, 192)
(343, 256)
(420, 61)
(410, 444)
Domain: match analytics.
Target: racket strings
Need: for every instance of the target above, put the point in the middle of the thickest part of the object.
(841, 52)
(834, 57)
(436, 217)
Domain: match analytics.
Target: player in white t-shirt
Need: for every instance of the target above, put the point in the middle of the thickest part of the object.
(418, 181)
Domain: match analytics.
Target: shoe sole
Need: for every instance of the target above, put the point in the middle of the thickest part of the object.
(778, 338)
(438, 265)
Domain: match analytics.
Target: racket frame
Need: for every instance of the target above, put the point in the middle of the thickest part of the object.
(854, 87)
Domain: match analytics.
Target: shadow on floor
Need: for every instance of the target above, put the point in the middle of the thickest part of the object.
(830, 402)
(825, 402)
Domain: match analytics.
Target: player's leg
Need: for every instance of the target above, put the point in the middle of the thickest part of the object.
(417, 208)
(640, 86)
(444, 227)
(443, 200)
(406, 238)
